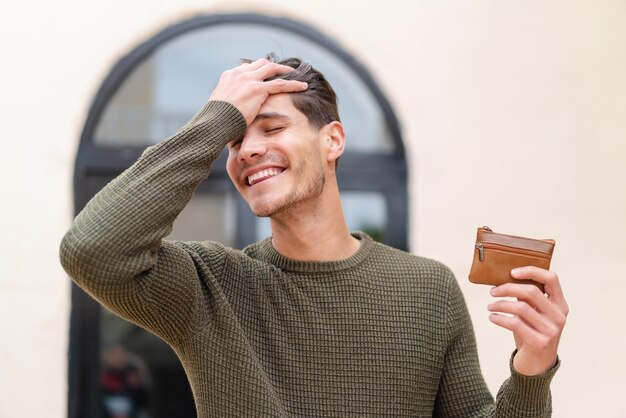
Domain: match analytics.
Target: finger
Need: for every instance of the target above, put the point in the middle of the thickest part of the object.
(285, 86)
(523, 310)
(271, 69)
(557, 318)
(526, 292)
(549, 280)
(533, 297)
(523, 333)
(254, 65)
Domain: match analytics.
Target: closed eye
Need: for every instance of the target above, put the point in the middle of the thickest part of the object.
(274, 130)
(235, 144)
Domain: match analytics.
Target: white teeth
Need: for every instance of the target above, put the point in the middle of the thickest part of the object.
(263, 173)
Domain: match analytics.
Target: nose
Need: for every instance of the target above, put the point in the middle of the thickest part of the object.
(252, 147)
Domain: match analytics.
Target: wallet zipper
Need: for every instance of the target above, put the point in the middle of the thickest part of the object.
(481, 250)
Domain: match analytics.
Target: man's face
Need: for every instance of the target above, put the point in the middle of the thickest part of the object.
(278, 164)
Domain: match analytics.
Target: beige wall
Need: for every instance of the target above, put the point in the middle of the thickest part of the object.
(514, 113)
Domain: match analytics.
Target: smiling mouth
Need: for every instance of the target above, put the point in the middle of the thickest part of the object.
(263, 175)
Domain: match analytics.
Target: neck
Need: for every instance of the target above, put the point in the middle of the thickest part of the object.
(314, 230)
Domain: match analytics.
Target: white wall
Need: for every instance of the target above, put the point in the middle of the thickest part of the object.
(514, 114)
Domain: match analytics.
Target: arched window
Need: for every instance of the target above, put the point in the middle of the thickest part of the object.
(152, 92)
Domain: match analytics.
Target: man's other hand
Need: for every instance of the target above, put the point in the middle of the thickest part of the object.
(536, 319)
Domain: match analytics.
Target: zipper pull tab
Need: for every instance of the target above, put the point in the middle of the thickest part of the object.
(486, 228)
(481, 251)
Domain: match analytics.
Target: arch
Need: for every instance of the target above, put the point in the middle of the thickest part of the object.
(359, 178)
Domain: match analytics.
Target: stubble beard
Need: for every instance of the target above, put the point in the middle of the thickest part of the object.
(291, 205)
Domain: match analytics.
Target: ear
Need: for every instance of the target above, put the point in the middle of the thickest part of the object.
(334, 141)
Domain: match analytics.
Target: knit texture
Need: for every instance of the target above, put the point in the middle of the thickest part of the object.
(382, 333)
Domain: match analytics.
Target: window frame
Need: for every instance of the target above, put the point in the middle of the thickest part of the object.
(96, 163)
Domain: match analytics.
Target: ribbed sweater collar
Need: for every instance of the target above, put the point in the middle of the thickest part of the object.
(268, 253)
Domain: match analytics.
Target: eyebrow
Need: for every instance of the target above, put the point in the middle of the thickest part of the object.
(270, 115)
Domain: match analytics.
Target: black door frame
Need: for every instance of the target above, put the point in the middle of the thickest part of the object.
(386, 174)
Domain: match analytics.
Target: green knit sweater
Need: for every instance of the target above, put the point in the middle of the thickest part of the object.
(382, 333)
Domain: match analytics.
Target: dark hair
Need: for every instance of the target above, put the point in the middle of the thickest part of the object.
(318, 102)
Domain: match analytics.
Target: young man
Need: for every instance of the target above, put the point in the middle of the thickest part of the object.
(314, 321)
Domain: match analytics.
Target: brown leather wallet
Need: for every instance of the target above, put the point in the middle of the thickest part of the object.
(495, 255)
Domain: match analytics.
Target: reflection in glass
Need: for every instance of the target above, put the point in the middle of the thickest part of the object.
(141, 377)
(171, 85)
(364, 211)
(140, 374)
(125, 384)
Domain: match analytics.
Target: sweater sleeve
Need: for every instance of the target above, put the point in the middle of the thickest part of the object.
(463, 391)
(115, 250)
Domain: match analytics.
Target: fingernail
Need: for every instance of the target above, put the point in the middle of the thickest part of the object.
(493, 291)
(516, 272)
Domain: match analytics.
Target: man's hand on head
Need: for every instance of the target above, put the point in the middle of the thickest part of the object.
(245, 88)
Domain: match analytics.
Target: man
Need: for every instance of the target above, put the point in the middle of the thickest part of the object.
(314, 321)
